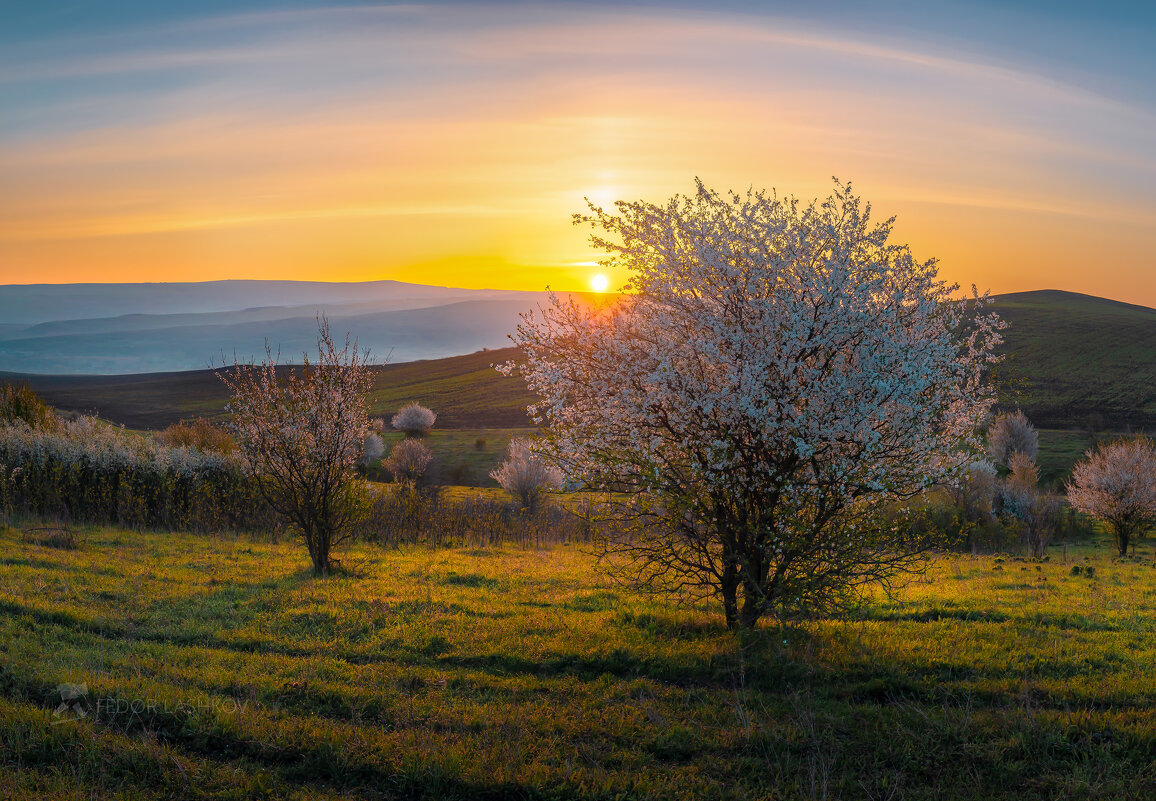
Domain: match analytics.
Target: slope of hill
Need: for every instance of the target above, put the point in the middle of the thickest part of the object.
(1075, 360)
(465, 391)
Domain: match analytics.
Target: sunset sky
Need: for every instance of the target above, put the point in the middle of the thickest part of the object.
(450, 143)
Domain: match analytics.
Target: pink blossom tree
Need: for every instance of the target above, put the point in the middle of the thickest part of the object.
(301, 433)
(774, 375)
(1116, 482)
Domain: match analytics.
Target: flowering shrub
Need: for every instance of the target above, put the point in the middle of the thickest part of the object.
(414, 419)
(86, 470)
(524, 474)
(371, 450)
(301, 435)
(1012, 433)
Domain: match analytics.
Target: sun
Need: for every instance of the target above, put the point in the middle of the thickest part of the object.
(599, 283)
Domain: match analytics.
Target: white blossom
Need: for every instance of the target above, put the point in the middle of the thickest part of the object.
(773, 370)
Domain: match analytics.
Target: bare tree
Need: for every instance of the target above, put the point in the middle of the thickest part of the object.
(1116, 482)
(776, 377)
(301, 432)
(1033, 510)
(524, 474)
(414, 419)
(1012, 433)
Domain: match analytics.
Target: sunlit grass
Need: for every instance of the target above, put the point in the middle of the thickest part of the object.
(526, 673)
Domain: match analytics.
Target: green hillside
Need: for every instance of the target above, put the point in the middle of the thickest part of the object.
(1075, 360)
(465, 391)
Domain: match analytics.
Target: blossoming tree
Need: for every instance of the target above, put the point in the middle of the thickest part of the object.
(301, 433)
(773, 376)
(1117, 483)
(524, 474)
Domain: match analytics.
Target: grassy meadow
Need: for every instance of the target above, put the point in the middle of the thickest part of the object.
(463, 457)
(218, 667)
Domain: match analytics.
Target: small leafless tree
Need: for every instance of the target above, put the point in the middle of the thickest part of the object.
(1116, 482)
(414, 419)
(301, 433)
(408, 461)
(1012, 433)
(524, 474)
(1023, 501)
(973, 492)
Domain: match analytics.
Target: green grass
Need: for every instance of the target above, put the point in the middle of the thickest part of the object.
(462, 457)
(1059, 450)
(527, 674)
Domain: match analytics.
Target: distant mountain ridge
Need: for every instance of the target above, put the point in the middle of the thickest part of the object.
(108, 329)
(29, 304)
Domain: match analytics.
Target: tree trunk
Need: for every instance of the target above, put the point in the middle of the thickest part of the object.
(318, 543)
(1122, 537)
(729, 588)
(752, 608)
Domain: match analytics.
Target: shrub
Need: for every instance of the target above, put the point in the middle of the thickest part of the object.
(372, 449)
(779, 374)
(1012, 433)
(1035, 513)
(408, 461)
(525, 475)
(408, 514)
(19, 403)
(301, 436)
(199, 434)
(88, 471)
(1116, 482)
(414, 419)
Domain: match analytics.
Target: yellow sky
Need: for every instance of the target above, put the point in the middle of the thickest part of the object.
(432, 151)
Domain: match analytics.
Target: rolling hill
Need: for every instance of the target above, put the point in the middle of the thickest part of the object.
(1075, 361)
(1072, 361)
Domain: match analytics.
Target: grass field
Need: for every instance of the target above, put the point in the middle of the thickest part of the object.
(462, 456)
(1059, 450)
(217, 667)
